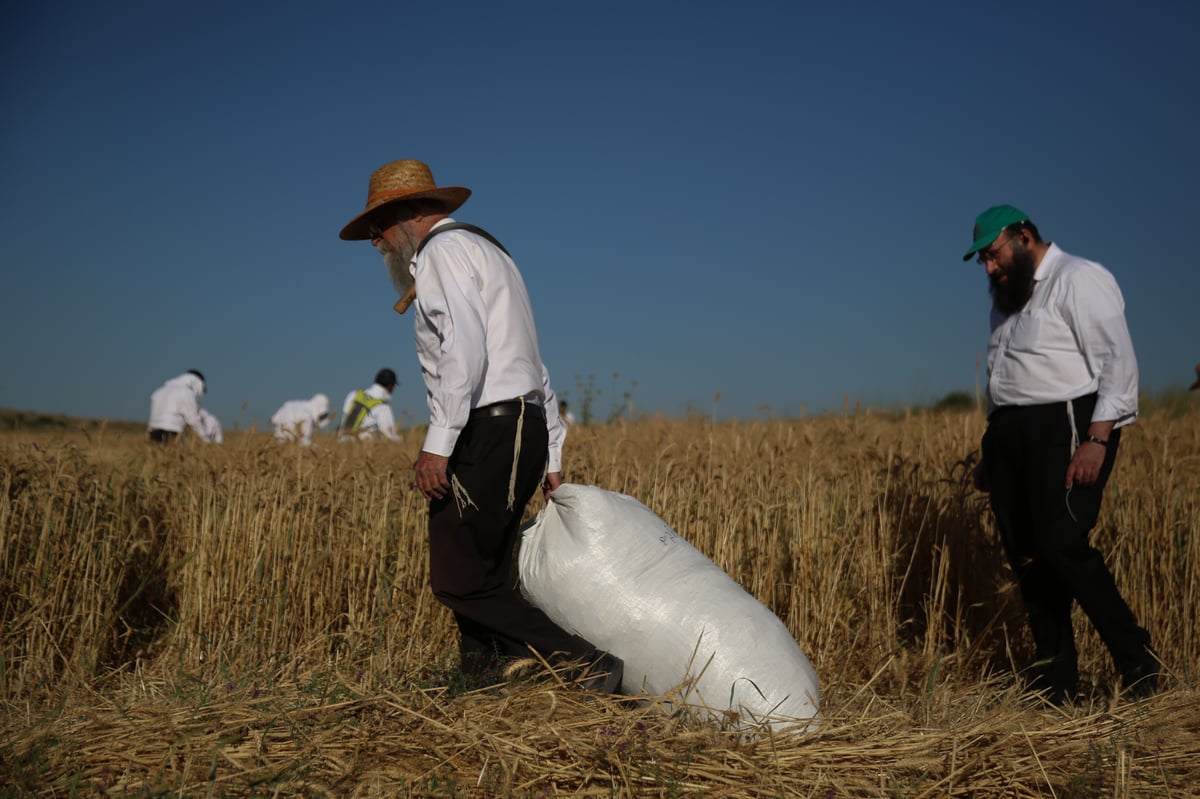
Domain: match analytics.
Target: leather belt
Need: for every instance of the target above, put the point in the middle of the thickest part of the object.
(507, 408)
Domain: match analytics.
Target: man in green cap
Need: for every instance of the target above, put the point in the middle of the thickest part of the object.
(1062, 382)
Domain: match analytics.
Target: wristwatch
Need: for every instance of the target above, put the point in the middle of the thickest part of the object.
(1101, 441)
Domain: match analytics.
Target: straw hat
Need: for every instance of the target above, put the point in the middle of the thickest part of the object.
(397, 182)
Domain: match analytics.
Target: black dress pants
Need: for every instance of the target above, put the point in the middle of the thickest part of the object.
(472, 532)
(1045, 527)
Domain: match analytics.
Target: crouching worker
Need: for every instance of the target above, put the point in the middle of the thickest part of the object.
(175, 406)
(494, 426)
(366, 414)
(211, 427)
(295, 419)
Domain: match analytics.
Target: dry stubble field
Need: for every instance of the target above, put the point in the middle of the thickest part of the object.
(251, 620)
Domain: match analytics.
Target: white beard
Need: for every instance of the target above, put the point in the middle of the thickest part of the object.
(398, 269)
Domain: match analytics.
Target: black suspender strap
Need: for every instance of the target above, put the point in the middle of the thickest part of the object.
(402, 304)
(478, 231)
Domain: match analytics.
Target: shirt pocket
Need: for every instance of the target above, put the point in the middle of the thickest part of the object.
(1040, 331)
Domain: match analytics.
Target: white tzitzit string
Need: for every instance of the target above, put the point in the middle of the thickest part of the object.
(512, 477)
(461, 498)
(1074, 429)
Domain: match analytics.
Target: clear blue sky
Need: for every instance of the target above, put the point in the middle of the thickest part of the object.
(766, 200)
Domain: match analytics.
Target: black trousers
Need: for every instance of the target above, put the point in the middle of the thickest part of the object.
(162, 436)
(472, 533)
(1045, 527)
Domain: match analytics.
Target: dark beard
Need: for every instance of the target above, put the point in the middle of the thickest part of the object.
(1011, 295)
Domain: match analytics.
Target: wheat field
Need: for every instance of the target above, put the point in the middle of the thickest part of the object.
(255, 620)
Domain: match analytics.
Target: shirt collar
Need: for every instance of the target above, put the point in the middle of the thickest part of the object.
(1050, 262)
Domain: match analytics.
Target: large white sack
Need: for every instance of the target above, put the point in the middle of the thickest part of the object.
(606, 567)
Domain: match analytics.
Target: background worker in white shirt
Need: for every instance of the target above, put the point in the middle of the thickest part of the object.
(494, 426)
(212, 427)
(1062, 382)
(565, 414)
(295, 419)
(366, 413)
(175, 406)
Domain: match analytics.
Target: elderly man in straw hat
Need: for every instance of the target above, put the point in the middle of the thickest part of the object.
(494, 426)
(1062, 382)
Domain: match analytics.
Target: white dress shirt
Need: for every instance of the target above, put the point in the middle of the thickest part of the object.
(378, 421)
(1068, 341)
(476, 339)
(175, 405)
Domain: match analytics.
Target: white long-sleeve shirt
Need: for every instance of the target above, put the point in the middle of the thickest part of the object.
(1069, 340)
(476, 338)
(295, 419)
(175, 405)
(378, 421)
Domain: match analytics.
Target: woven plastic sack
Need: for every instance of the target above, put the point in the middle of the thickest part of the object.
(606, 567)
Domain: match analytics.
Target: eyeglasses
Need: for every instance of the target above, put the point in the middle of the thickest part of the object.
(388, 218)
(380, 222)
(991, 254)
(376, 230)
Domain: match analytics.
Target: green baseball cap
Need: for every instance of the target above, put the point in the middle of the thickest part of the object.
(989, 224)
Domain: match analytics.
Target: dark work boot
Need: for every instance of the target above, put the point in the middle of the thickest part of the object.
(1057, 695)
(1141, 681)
(603, 675)
(1057, 686)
